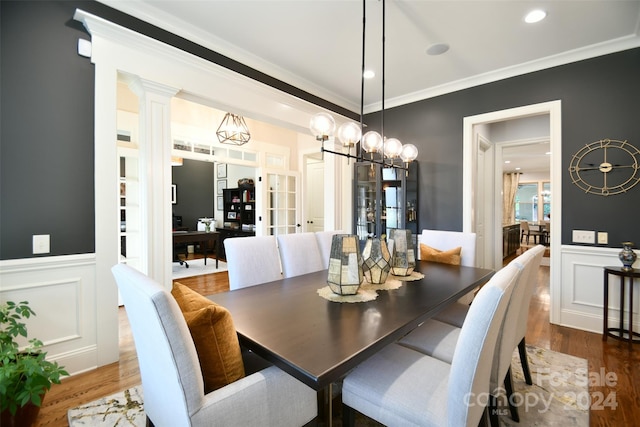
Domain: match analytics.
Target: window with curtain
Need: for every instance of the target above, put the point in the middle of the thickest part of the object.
(526, 202)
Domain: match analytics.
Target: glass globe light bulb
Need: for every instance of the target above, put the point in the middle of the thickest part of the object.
(349, 133)
(371, 142)
(392, 148)
(409, 153)
(322, 126)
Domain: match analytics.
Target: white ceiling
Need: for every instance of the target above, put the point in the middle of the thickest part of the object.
(317, 45)
(530, 158)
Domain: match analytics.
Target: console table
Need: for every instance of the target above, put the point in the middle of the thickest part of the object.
(226, 233)
(621, 331)
(200, 237)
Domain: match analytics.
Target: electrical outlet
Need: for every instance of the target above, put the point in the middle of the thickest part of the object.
(603, 237)
(584, 236)
(40, 243)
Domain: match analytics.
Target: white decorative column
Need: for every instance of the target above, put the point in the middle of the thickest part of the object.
(155, 177)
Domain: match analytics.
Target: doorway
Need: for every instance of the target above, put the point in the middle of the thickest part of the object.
(474, 208)
(314, 189)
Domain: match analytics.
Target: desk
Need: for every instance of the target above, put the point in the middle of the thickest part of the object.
(200, 237)
(606, 330)
(319, 341)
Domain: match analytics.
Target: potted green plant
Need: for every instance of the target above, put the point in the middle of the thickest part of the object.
(25, 374)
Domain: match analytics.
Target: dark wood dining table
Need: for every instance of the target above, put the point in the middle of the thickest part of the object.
(319, 341)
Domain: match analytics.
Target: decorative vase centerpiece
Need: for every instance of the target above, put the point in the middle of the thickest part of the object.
(403, 260)
(345, 265)
(627, 256)
(207, 223)
(376, 261)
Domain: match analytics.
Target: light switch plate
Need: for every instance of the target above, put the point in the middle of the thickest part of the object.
(41, 243)
(584, 236)
(603, 237)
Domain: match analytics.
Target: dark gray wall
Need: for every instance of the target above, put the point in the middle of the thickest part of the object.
(46, 129)
(599, 100)
(194, 181)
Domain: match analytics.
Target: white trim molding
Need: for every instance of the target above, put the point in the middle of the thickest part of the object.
(581, 296)
(62, 292)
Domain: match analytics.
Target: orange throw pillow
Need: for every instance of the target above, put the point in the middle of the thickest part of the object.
(214, 336)
(188, 299)
(451, 256)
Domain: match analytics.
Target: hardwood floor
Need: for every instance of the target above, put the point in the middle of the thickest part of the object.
(612, 358)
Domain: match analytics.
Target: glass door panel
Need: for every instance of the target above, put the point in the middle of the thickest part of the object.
(279, 204)
(366, 201)
(392, 200)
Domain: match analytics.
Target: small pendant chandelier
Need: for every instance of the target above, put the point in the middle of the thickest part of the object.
(233, 130)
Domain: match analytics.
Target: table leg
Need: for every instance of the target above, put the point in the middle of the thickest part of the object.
(204, 250)
(605, 320)
(622, 307)
(325, 404)
(630, 310)
(216, 249)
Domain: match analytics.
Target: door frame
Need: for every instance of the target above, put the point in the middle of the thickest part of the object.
(470, 170)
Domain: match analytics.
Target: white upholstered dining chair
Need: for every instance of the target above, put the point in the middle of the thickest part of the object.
(536, 253)
(252, 261)
(172, 380)
(325, 238)
(444, 240)
(299, 253)
(439, 339)
(402, 386)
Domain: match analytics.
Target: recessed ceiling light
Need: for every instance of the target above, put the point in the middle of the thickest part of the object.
(518, 169)
(369, 74)
(507, 161)
(548, 153)
(535, 16)
(437, 49)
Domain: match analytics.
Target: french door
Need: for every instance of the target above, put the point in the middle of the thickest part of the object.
(278, 203)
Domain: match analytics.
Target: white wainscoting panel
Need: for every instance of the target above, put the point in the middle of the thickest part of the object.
(582, 288)
(62, 292)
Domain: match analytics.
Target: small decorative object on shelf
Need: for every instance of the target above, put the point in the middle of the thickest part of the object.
(375, 261)
(245, 182)
(345, 265)
(207, 223)
(627, 256)
(403, 260)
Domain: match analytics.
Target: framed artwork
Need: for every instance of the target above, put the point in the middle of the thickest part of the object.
(220, 204)
(231, 215)
(174, 194)
(222, 170)
(221, 185)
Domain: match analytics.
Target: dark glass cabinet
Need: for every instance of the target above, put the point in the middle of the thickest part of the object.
(384, 198)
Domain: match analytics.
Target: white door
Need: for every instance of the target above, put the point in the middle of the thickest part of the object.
(277, 203)
(314, 195)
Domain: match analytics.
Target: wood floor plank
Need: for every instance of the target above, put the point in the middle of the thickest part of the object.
(609, 356)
